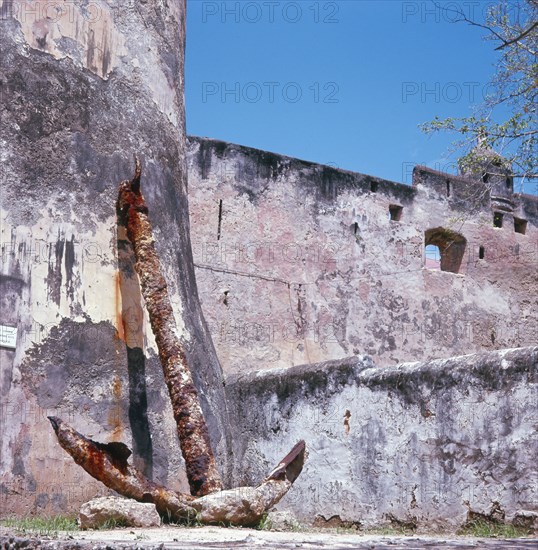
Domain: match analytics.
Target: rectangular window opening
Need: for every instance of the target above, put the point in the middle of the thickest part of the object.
(395, 212)
(497, 219)
(481, 253)
(520, 226)
(373, 186)
(432, 257)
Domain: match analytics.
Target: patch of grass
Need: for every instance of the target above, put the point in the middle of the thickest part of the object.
(265, 523)
(41, 526)
(483, 528)
(194, 521)
(298, 528)
(388, 530)
(112, 523)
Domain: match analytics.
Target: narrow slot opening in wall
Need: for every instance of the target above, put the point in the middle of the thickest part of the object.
(481, 253)
(373, 186)
(220, 220)
(356, 231)
(395, 212)
(485, 177)
(448, 251)
(520, 226)
(448, 188)
(497, 219)
(509, 183)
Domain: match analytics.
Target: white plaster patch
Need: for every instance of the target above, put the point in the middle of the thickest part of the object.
(87, 35)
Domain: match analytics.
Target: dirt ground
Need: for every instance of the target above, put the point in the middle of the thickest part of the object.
(213, 538)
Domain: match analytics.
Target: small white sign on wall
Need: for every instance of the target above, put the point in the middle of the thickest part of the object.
(8, 337)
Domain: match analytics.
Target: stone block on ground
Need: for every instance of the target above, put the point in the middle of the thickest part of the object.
(526, 519)
(114, 511)
(283, 520)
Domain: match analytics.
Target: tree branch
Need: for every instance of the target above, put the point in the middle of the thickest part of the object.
(517, 38)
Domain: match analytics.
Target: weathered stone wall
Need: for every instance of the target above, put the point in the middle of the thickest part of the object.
(421, 443)
(300, 263)
(296, 263)
(84, 85)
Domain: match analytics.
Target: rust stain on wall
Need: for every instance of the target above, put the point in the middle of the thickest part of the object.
(347, 416)
(114, 415)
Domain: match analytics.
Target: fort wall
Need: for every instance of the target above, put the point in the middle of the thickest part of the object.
(428, 444)
(300, 263)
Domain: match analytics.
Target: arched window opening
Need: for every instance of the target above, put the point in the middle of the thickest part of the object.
(451, 247)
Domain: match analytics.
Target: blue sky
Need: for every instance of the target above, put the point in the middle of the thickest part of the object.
(344, 83)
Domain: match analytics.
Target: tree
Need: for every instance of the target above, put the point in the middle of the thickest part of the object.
(513, 26)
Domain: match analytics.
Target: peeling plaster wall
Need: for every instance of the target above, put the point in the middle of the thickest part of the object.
(422, 443)
(84, 32)
(296, 262)
(84, 85)
(300, 263)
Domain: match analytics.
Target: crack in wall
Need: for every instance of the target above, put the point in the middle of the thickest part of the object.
(244, 274)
